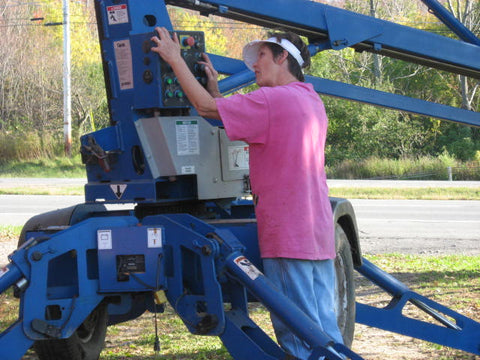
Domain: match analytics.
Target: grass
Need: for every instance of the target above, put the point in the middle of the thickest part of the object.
(58, 167)
(440, 193)
(452, 280)
(64, 167)
(433, 193)
(347, 193)
(423, 168)
(43, 190)
(9, 232)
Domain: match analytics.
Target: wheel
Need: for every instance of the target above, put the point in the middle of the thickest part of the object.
(345, 292)
(88, 340)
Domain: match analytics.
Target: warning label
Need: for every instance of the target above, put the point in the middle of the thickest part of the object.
(154, 237)
(238, 157)
(188, 169)
(247, 267)
(123, 57)
(104, 239)
(117, 14)
(187, 134)
(118, 189)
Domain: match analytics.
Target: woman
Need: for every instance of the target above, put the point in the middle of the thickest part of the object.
(285, 124)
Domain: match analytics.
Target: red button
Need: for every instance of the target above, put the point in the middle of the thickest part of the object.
(190, 41)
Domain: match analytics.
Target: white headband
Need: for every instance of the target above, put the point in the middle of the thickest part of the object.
(250, 51)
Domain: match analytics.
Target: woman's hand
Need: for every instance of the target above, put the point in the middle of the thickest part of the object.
(212, 76)
(166, 47)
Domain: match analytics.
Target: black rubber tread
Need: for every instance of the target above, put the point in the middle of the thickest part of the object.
(77, 347)
(345, 286)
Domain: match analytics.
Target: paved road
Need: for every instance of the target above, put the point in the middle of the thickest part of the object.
(17, 209)
(416, 226)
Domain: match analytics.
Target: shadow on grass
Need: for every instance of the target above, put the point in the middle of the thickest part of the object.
(450, 281)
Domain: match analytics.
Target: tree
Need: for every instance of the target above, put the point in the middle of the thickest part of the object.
(31, 87)
(468, 13)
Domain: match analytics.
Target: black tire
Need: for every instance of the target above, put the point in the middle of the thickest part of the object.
(345, 294)
(86, 342)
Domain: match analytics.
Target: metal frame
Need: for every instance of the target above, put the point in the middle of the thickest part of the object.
(200, 265)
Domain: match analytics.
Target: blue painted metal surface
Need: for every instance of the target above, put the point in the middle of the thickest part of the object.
(198, 265)
(341, 28)
(210, 258)
(367, 96)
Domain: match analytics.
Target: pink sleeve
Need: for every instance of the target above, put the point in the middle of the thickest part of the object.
(245, 117)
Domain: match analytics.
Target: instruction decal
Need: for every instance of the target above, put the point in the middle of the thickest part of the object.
(118, 189)
(154, 237)
(123, 58)
(187, 134)
(238, 157)
(117, 14)
(247, 267)
(104, 239)
(188, 169)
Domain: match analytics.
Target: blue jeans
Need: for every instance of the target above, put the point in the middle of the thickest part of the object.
(311, 285)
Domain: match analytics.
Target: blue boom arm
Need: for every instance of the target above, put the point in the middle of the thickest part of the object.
(328, 27)
(154, 155)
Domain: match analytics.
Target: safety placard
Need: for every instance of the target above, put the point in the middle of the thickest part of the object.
(187, 135)
(117, 14)
(154, 237)
(123, 58)
(247, 267)
(118, 189)
(238, 157)
(188, 169)
(104, 239)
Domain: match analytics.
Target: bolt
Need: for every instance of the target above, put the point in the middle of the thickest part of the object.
(37, 256)
(206, 250)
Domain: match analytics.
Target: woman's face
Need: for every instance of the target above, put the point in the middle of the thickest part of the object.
(266, 69)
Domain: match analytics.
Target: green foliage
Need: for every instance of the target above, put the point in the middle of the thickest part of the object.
(20, 146)
(31, 85)
(459, 140)
(31, 81)
(406, 193)
(10, 232)
(46, 167)
(424, 168)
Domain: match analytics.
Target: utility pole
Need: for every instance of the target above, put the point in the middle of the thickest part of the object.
(376, 61)
(67, 97)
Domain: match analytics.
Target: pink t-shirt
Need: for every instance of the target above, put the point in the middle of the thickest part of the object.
(286, 127)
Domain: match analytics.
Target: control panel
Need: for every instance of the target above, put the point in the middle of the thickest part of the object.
(193, 46)
(156, 85)
(130, 258)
